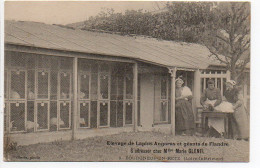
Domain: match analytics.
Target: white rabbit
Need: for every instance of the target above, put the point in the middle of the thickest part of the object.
(82, 121)
(11, 124)
(30, 125)
(15, 95)
(54, 121)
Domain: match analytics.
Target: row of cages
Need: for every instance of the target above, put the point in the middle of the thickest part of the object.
(37, 85)
(39, 93)
(50, 85)
(34, 80)
(34, 116)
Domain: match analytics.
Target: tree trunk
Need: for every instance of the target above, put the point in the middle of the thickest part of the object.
(233, 73)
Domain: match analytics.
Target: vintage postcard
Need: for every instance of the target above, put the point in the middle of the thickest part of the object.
(126, 81)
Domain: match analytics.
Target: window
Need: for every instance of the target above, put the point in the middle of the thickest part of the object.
(218, 76)
(128, 98)
(129, 82)
(128, 113)
(161, 99)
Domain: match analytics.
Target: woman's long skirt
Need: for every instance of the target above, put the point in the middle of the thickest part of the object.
(184, 116)
(240, 123)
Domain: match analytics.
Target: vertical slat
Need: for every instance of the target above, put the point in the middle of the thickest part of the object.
(109, 92)
(221, 86)
(167, 97)
(25, 102)
(48, 115)
(25, 115)
(173, 76)
(204, 84)
(89, 111)
(58, 97)
(135, 83)
(75, 97)
(186, 78)
(98, 92)
(8, 104)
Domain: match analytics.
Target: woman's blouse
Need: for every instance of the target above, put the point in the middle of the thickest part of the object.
(183, 91)
(234, 96)
(211, 94)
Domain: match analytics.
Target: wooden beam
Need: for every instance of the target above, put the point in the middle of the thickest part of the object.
(64, 53)
(75, 97)
(135, 83)
(172, 71)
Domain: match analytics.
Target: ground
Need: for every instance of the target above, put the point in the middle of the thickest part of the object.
(99, 149)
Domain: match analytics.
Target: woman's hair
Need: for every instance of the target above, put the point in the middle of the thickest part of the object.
(211, 81)
(179, 79)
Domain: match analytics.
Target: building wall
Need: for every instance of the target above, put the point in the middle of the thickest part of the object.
(119, 94)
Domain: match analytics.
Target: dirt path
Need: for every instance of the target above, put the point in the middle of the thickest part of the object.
(144, 148)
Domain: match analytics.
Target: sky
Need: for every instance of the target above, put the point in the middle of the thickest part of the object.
(68, 11)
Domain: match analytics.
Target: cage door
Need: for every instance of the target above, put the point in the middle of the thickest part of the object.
(42, 116)
(64, 120)
(18, 83)
(17, 116)
(104, 114)
(84, 86)
(84, 117)
(43, 84)
(65, 85)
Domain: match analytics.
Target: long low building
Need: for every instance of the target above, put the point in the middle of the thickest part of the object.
(63, 83)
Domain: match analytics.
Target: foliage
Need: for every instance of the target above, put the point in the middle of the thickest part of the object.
(223, 27)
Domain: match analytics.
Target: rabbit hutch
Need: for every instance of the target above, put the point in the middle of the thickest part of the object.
(62, 84)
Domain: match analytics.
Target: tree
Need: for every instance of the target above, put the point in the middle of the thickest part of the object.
(223, 27)
(228, 36)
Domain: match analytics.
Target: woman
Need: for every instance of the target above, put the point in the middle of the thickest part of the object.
(210, 100)
(184, 114)
(240, 122)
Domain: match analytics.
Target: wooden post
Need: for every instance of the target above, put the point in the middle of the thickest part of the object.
(75, 97)
(135, 83)
(196, 94)
(172, 71)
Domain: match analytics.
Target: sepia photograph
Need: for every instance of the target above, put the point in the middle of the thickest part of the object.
(126, 81)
